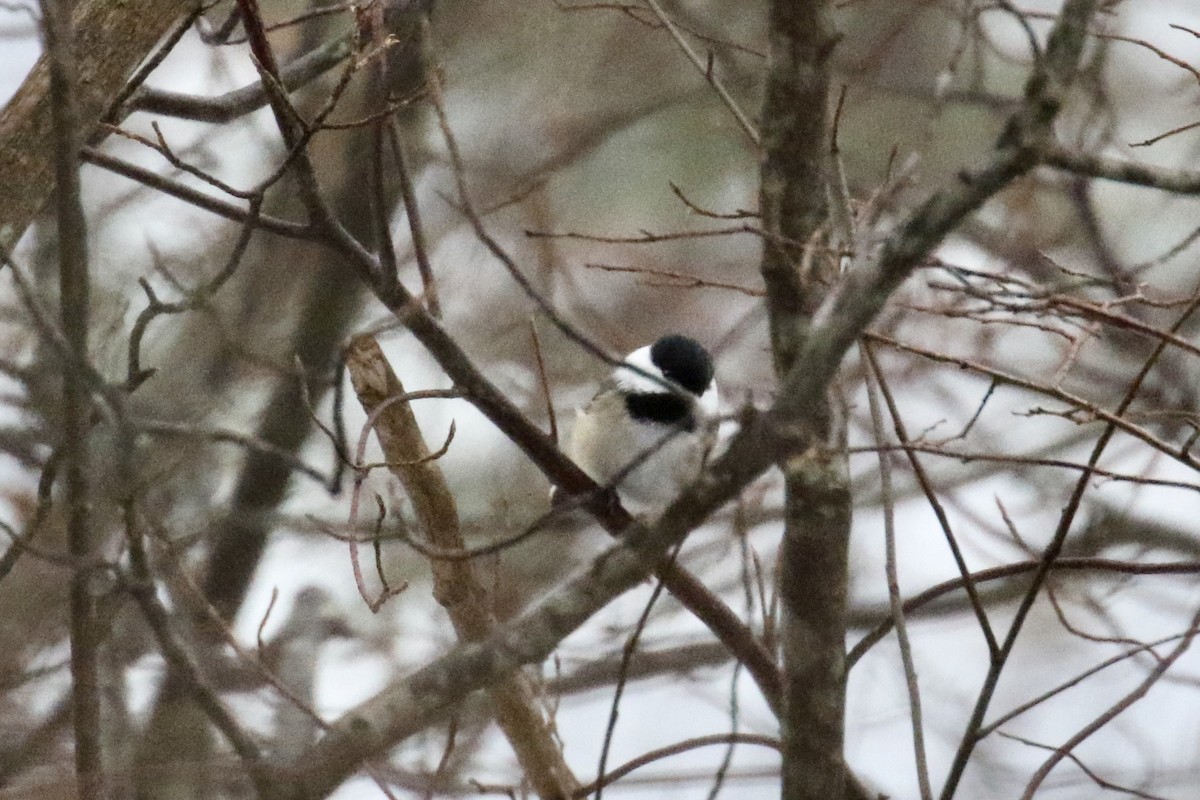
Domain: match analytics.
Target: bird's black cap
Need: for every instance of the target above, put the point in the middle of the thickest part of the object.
(684, 361)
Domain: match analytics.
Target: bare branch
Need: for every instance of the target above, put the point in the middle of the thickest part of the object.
(456, 585)
(1064, 750)
(74, 309)
(875, 381)
(239, 102)
(1120, 170)
(112, 39)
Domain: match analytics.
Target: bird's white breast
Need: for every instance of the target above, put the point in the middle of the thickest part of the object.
(605, 441)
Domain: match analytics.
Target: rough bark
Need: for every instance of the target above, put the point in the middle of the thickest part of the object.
(110, 40)
(797, 271)
(457, 587)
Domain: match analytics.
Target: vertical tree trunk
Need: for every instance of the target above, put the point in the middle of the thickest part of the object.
(795, 213)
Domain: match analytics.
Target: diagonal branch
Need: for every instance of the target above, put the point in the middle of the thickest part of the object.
(111, 38)
(862, 293)
(412, 703)
(239, 102)
(409, 704)
(456, 585)
(1156, 674)
(1119, 170)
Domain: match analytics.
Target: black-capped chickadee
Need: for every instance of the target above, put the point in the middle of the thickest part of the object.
(651, 426)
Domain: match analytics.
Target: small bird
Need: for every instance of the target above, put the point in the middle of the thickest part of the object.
(651, 426)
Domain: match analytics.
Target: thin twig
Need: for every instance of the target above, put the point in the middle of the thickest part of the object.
(141, 585)
(1051, 552)
(705, 69)
(995, 725)
(1077, 761)
(1012, 570)
(675, 749)
(543, 380)
(626, 654)
(874, 381)
(412, 212)
(922, 477)
(1113, 711)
